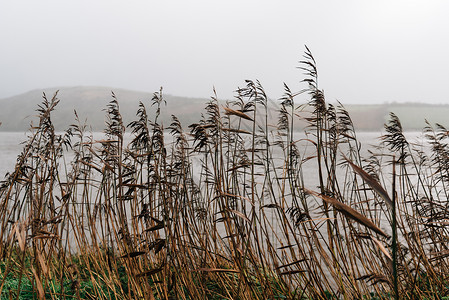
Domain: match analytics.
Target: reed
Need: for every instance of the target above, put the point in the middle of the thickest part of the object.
(222, 210)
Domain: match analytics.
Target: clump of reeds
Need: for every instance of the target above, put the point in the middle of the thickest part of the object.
(222, 210)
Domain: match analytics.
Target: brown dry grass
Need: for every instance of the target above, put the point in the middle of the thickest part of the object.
(222, 211)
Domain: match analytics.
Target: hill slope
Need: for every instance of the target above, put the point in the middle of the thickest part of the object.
(17, 112)
(411, 115)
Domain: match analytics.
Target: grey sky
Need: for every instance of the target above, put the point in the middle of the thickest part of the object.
(367, 51)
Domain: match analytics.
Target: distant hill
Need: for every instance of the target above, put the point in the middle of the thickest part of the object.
(17, 112)
(411, 115)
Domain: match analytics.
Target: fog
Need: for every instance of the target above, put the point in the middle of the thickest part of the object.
(367, 51)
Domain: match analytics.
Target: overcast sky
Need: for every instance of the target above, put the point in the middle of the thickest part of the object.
(367, 51)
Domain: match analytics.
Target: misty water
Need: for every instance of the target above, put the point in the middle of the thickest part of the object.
(11, 144)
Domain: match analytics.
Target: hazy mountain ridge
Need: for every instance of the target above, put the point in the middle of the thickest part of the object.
(90, 104)
(19, 111)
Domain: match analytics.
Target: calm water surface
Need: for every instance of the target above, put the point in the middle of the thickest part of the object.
(11, 145)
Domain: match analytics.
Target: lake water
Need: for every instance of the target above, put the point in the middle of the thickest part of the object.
(11, 145)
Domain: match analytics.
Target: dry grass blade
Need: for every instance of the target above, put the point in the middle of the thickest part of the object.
(286, 247)
(236, 130)
(439, 255)
(349, 212)
(43, 237)
(40, 288)
(381, 247)
(237, 213)
(133, 254)
(42, 262)
(272, 205)
(149, 272)
(292, 272)
(374, 278)
(155, 227)
(237, 167)
(237, 113)
(218, 270)
(290, 264)
(20, 235)
(157, 245)
(371, 182)
(235, 196)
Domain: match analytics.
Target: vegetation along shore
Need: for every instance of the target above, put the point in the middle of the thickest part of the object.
(219, 209)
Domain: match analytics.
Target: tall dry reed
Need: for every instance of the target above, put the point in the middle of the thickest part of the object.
(222, 210)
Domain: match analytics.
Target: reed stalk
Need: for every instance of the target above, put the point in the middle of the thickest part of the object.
(242, 205)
